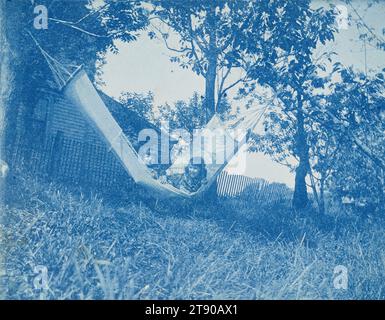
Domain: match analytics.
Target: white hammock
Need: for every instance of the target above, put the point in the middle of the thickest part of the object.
(81, 92)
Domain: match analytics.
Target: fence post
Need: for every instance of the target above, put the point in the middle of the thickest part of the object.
(56, 155)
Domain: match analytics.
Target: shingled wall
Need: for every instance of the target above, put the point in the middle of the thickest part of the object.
(66, 148)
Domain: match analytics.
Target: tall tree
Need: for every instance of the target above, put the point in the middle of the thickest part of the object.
(207, 34)
(355, 116)
(272, 41)
(286, 64)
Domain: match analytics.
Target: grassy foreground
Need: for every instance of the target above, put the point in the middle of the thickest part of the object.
(94, 250)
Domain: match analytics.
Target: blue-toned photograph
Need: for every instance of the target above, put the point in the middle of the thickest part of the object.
(192, 150)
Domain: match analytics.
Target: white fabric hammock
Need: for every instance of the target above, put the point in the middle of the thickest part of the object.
(81, 92)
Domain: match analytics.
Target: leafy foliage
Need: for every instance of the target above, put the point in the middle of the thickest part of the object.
(188, 115)
(356, 120)
(210, 40)
(286, 64)
(141, 104)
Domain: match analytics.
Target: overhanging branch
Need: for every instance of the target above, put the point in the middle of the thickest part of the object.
(73, 26)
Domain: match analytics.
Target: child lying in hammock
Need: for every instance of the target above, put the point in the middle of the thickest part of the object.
(194, 176)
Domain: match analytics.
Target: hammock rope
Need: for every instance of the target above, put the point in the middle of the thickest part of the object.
(60, 71)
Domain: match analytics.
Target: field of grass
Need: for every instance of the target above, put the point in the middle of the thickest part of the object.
(92, 249)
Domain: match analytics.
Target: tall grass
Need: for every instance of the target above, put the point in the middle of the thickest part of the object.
(93, 250)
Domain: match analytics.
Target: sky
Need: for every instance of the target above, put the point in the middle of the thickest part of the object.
(144, 65)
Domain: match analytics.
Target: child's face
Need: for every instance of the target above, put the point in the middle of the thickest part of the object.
(193, 170)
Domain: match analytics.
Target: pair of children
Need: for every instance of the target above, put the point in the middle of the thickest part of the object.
(193, 177)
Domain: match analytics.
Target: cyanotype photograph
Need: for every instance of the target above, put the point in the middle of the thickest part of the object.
(192, 150)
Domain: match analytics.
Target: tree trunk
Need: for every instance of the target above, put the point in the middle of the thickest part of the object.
(210, 110)
(322, 196)
(210, 86)
(5, 77)
(212, 60)
(300, 197)
(6, 88)
(11, 82)
(210, 81)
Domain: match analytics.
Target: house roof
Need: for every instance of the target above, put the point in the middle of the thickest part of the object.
(128, 119)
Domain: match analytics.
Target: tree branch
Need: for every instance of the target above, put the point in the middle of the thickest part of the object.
(164, 37)
(92, 13)
(222, 84)
(364, 149)
(233, 84)
(71, 25)
(364, 24)
(195, 38)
